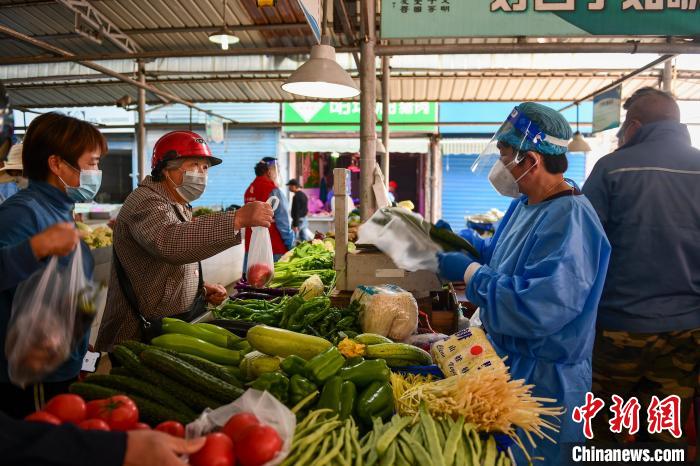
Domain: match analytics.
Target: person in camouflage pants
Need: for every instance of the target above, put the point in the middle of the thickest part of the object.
(641, 364)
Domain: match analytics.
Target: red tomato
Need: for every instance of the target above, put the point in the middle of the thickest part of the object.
(120, 412)
(217, 451)
(43, 416)
(259, 274)
(94, 424)
(258, 445)
(173, 428)
(141, 426)
(238, 424)
(67, 407)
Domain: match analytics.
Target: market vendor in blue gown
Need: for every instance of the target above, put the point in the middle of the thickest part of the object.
(538, 280)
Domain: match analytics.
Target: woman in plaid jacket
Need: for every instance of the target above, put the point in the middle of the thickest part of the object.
(158, 245)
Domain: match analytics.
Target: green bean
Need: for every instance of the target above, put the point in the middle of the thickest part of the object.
(338, 441)
(432, 439)
(388, 437)
(421, 455)
(405, 446)
(491, 452)
(389, 458)
(454, 436)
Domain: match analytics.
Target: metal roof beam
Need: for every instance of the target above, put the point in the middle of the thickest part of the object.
(347, 28)
(101, 27)
(437, 49)
(106, 71)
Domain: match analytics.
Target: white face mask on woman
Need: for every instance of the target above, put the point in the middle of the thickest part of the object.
(503, 180)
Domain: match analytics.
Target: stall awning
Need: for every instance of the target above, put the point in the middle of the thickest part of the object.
(404, 145)
(463, 146)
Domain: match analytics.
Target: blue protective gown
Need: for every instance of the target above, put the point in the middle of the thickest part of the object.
(538, 291)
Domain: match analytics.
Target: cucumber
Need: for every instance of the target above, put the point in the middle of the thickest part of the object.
(371, 339)
(211, 368)
(398, 351)
(181, 327)
(141, 388)
(136, 346)
(283, 343)
(191, 345)
(190, 376)
(121, 371)
(193, 398)
(93, 392)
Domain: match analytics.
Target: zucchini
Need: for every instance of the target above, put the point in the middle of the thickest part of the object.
(193, 398)
(211, 368)
(191, 345)
(220, 330)
(371, 339)
(398, 351)
(181, 327)
(141, 388)
(255, 364)
(393, 362)
(283, 343)
(190, 376)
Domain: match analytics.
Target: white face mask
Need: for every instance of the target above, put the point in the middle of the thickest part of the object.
(503, 180)
(192, 187)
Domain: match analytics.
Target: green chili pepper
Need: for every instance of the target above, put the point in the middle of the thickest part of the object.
(376, 400)
(299, 388)
(331, 395)
(325, 365)
(348, 393)
(274, 382)
(366, 372)
(293, 365)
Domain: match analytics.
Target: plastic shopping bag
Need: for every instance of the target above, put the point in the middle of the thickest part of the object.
(51, 312)
(266, 408)
(403, 236)
(261, 263)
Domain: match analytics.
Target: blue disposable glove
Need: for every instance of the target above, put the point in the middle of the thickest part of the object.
(452, 265)
(443, 225)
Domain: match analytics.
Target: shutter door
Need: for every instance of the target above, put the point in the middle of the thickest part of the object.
(240, 151)
(464, 193)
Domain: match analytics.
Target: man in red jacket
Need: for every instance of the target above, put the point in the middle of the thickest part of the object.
(266, 185)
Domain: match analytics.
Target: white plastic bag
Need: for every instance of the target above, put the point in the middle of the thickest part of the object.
(266, 408)
(51, 311)
(261, 262)
(387, 310)
(403, 236)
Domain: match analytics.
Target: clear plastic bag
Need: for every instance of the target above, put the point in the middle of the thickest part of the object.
(261, 262)
(387, 310)
(51, 312)
(266, 408)
(403, 236)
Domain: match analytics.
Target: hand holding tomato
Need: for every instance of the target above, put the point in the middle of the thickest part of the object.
(173, 428)
(149, 447)
(217, 451)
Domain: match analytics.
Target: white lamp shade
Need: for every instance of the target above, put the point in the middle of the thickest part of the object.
(224, 37)
(578, 144)
(321, 77)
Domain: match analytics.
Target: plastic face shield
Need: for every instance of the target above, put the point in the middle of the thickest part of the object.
(518, 133)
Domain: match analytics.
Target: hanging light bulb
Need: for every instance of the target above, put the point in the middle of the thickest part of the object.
(578, 143)
(224, 36)
(321, 76)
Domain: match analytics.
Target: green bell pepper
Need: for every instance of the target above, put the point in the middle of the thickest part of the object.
(293, 365)
(377, 400)
(366, 372)
(331, 394)
(300, 388)
(274, 382)
(354, 361)
(324, 366)
(348, 393)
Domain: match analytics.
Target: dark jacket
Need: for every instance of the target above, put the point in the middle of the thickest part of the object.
(22, 216)
(300, 208)
(647, 195)
(24, 443)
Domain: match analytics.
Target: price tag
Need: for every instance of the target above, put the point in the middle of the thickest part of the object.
(90, 361)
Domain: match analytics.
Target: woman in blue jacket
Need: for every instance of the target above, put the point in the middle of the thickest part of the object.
(60, 157)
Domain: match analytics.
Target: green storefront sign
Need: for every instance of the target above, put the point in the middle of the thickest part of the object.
(345, 116)
(538, 18)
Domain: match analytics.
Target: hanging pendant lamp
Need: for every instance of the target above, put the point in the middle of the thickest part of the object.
(224, 36)
(578, 143)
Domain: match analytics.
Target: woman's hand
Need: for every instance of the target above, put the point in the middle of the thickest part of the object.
(215, 293)
(254, 214)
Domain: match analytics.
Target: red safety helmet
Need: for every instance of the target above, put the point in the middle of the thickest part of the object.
(179, 144)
